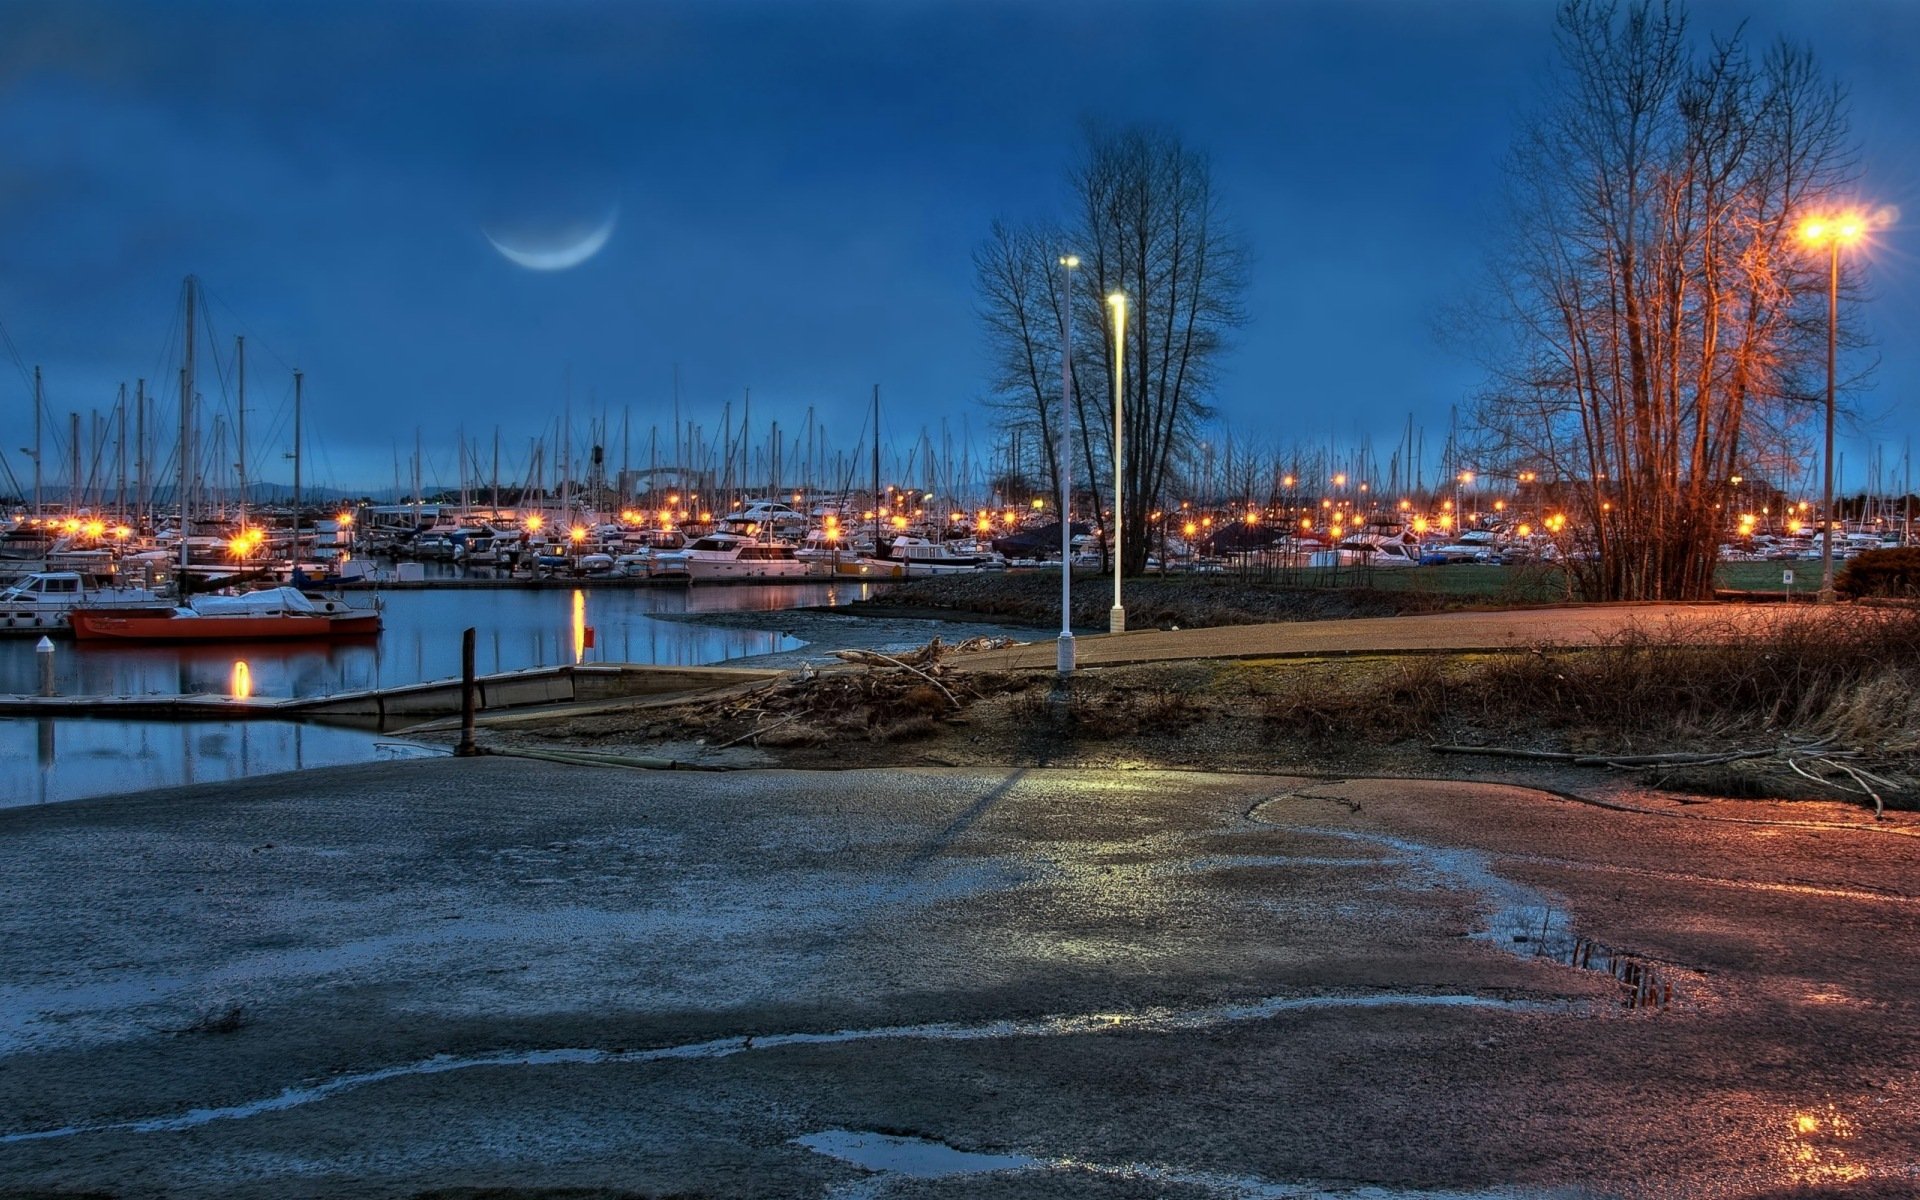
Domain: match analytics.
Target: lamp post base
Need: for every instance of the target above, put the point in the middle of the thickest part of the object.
(1064, 654)
(1116, 620)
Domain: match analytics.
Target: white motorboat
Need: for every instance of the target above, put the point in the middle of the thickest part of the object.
(43, 600)
(741, 556)
(918, 557)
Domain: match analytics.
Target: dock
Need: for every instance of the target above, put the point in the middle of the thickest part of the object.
(596, 684)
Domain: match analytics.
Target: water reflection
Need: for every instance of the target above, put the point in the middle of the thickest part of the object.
(579, 626)
(1815, 1149)
(47, 759)
(517, 628)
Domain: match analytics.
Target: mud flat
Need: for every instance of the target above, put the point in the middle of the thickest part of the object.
(450, 974)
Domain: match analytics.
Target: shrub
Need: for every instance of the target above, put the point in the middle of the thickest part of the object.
(1881, 573)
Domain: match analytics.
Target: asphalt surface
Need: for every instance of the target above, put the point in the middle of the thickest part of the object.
(1446, 632)
(387, 980)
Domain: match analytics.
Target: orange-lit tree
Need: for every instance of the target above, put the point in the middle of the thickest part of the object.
(1657, 313)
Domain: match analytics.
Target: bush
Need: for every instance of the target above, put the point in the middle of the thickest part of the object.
(1881, 573)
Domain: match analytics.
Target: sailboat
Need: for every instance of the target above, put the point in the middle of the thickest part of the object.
(268, 615)
(271, 614)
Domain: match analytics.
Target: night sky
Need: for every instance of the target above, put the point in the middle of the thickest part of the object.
(798, 190)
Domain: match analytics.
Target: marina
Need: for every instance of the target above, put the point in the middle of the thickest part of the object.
(519, 628)
(47, 758)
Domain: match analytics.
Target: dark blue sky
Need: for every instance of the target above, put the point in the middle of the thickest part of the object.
(800, 189)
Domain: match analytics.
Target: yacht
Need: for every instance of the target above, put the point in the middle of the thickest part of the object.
(41, 602)
(741, 556)
(917, 556)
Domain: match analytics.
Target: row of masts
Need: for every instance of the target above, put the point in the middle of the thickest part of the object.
(117, 463)
(115, 459)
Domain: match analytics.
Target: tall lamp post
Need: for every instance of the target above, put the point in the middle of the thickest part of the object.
(1117, 619)
(1831, 232)
(1063, 658)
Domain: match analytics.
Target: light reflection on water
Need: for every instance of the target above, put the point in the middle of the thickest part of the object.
(1814, 1152)
(517, 628)
(45, 760)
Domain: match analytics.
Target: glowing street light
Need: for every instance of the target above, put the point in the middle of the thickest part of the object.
(1117, 618)
(1831, 232)
(1063, 459)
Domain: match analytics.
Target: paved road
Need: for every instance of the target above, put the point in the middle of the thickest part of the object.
(380, 980)
(1425, 632)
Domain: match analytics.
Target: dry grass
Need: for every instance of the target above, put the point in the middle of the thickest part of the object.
(1104, 709)
(1850, 681)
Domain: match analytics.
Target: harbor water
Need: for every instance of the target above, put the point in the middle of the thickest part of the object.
(46, 760)
(517, 628)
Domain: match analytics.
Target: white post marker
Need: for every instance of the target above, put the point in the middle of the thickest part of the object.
(43, 650)
(1117, 617)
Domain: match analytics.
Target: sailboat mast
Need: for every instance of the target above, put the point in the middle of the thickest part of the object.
(186, 436)
(299, 380)
(876, 469)
(141, 499)
(240, 372)
(39, 406)
(120, 453)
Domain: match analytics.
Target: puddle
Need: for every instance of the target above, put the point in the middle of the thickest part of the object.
(895, 1158)
(1150, 1020)
(912, 1157)
(1520, 920)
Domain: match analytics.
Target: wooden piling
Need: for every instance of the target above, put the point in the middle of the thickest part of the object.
(466, 748)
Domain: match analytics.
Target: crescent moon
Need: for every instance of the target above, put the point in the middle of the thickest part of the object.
(556, 257)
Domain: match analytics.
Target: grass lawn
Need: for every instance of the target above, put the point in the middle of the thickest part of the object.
(1509, 584)
(1522, 584)
(1765, 576)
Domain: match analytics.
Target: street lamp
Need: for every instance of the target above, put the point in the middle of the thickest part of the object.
(1832, 232)
(1064, 654)
(1117, 619)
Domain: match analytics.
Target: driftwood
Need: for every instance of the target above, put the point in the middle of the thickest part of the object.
(875, 658)
(1820, 755)
(756, 731)
(1623, 761)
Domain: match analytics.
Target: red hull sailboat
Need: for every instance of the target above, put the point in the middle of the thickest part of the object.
(276, 614)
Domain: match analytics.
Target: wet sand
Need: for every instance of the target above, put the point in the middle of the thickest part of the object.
(381, 980)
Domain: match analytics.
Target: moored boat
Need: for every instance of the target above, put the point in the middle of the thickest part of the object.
(918, 556)
(274, 614)
(735, 556)
(43, 600)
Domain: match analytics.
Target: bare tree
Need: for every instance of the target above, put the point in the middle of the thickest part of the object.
(1658, 315)
(1020, 309)
(1145, 222)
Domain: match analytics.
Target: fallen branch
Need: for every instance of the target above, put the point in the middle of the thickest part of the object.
(1819, 753)
(866, 656)
(756, 731)
(1506, 752)
(1860, 777)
